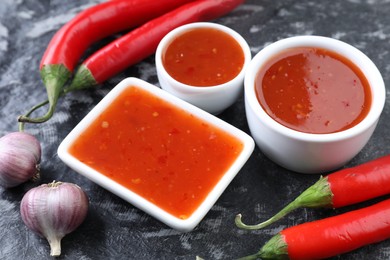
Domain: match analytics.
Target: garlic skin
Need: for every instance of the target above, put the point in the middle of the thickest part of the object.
(20, 155)
(54, 210)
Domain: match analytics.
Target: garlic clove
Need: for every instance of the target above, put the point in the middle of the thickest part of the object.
(20, 155)
(54, 210)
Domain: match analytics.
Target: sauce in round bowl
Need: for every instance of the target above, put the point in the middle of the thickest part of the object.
(203, 57)
(313, 90)
(321, 117)
(204, 64)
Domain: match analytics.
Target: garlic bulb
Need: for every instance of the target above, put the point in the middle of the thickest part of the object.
(20, 155)
(54, 210)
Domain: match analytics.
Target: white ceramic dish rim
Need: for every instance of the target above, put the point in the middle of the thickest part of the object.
(164, 43)
(359, 58)
(135, 199)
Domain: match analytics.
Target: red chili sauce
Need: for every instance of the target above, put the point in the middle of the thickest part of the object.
(166, 155)
(313, 90)
(203, 57)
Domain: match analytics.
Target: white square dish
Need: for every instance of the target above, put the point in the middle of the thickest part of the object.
(89, 169)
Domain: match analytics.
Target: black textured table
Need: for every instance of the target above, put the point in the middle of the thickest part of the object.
(114, 229)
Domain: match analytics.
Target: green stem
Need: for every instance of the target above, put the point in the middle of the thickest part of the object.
(54, 78)
(249, 257)
(82, 79)
(317, 195)
(21, 124)
(275, 248)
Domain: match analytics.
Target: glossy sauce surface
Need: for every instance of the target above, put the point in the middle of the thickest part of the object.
(313, 90)
(166, 155)
(203, 57)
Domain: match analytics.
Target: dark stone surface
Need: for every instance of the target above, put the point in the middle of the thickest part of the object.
(114, 229)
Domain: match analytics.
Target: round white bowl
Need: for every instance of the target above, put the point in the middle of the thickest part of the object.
(213, 99)
(304, 152)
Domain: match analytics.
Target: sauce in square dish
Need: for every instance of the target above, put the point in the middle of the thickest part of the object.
(163, 155)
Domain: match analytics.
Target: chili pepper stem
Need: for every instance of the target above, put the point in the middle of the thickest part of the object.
(249, 257)
(275, 248)
(21, 124)
(82, 79)
(317, 195)
(54, 78)
(43, 103)
(77, 84)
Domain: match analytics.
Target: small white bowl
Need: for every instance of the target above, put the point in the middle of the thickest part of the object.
(132, 197)
(304, 152)
(213, 99)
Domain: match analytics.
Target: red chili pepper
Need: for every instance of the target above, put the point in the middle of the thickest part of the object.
(330, 236)
(69, 43)
(142, 42)
(339, 189)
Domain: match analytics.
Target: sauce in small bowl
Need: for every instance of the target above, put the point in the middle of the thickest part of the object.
(161, 154)
(203, 57)
(203, 64)
(312, 102)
